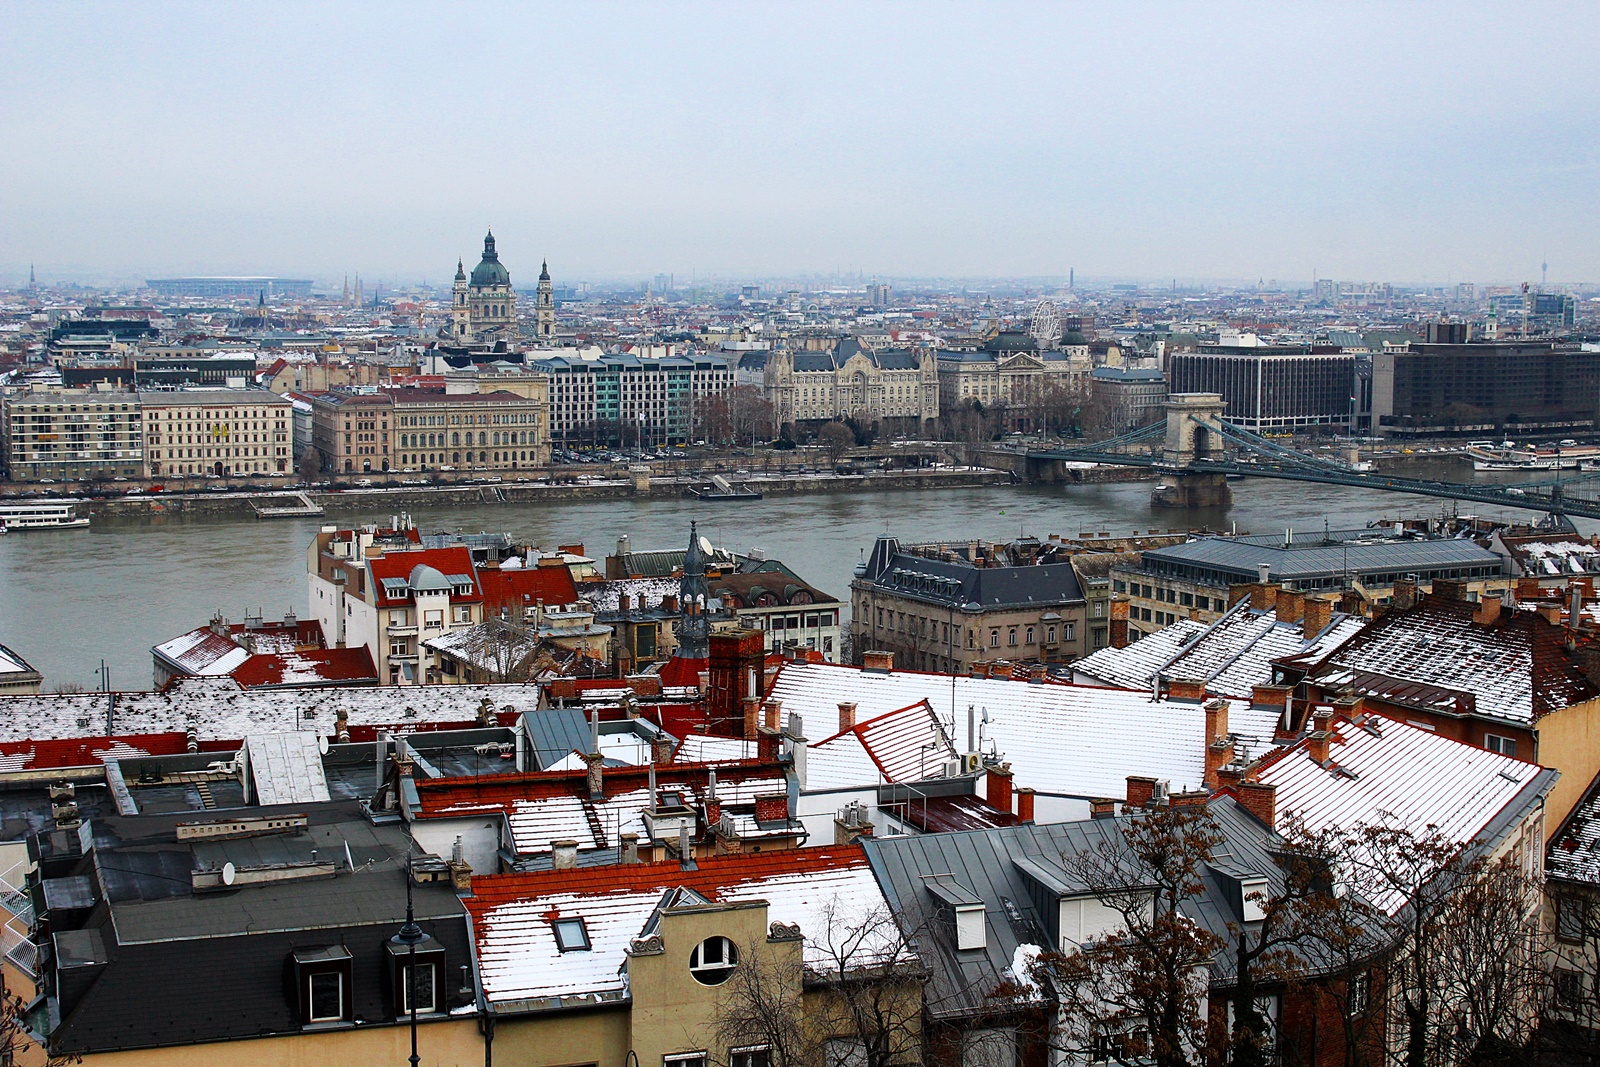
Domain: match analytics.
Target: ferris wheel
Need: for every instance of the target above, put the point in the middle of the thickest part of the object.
(1046, 326)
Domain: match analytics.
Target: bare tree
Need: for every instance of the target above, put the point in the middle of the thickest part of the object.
(836, 439)
(1134, 994)
(862, 1002)
(16, 1044)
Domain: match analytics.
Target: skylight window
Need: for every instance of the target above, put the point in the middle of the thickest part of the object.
(572, 935)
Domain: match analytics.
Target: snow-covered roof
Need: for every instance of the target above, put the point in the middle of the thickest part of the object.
(1384, 772)
(1066, 740)
(513, 915)
(1574, 852)
(1435, 656)
(905, 745)
(203, 651)
(11, 663)
(1232, 655)
(220, 709)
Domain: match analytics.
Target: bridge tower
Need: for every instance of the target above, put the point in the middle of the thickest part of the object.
(1194, 433)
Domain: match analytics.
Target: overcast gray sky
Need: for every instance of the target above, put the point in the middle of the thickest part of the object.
(1365, 141)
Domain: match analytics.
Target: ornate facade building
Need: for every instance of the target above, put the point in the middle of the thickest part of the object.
(545, 308)
(484, 307)
(893, 389)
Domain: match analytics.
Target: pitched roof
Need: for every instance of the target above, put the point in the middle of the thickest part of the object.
(392, 571)
(1574, 853)
(1433, 656)
(1383, 772)
(906, 745)
(1062, 740)
(513, 914)
(519, 587)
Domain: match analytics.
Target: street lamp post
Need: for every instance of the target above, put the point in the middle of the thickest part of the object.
(410, 936)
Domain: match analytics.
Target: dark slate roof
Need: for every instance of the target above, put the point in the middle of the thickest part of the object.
(556, 733)
(1312, 558)
(954, 584)
(222, 955)
(1016, 872)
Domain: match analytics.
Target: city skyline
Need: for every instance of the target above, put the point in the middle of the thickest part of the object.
(1430, 143)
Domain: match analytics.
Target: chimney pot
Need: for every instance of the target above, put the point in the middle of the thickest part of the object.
(847, 715)
(1024, 803)
(997, 786)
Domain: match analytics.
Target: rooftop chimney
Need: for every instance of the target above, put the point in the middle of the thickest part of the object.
(564, 855)
(997, 786)
(1141, 791)
(1405, 593)
(1317, 741)
(1551, 613)
(1103, 808)
(1186, 689)
(878, 661)
(1450, 589)
(1318, 614)
(1263, 594)
(847, 715)
(597, 786)
(630, 848)
(1119, 622)
(1259, 799)
(1291, 605)
(1024, 803)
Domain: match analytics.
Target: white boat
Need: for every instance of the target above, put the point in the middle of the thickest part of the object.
(44, 515)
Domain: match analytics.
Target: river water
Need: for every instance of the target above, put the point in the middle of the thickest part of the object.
(72, 598)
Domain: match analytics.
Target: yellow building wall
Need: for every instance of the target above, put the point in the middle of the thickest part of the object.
(447, 1043)
(1569, 741)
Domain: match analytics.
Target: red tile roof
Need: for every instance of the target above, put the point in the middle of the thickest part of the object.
(447, 561)
(711, 877)
(315, 667)
(518, 588)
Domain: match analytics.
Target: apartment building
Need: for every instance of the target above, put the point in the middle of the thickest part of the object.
(591, 400)
(351, 431)
(72, 436)
(944, 607)
(223, 432)
(498, 431)
(382, 590)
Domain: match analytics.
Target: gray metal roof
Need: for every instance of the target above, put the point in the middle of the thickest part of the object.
(1313, 559)
(556, 733)
(1016, 872)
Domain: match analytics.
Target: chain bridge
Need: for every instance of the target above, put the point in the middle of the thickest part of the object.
(1196, 450)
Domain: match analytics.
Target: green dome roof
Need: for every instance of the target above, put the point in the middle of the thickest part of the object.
(490, 271)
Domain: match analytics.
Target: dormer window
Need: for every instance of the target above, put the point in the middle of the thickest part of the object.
(572, 935)
(322, 979)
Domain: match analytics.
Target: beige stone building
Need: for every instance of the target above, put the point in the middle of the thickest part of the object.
(222, 432)
(1015, 382)
(945, 607)
(351, 431)
(484, 307)
(494, 431)
(896, 390)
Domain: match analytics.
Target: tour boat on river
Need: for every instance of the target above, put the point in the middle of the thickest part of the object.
(42, 515)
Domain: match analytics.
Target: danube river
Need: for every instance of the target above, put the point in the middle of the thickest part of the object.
(72, 598)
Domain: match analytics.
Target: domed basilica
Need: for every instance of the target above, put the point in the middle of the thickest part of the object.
(483, 308)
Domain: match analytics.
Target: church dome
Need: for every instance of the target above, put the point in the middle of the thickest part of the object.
(490, 271)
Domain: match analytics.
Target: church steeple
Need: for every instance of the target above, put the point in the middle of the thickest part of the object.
(544, 271)
(461, 273)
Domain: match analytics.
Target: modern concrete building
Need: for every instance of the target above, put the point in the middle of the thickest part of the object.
(597, 401)
(1516, 387)
(72, 436)
(1272, 389)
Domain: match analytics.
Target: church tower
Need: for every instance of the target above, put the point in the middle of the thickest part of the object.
(546, 307)
(460, 314)
(491, 302)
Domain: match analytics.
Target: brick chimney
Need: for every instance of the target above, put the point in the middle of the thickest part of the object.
(1270, 696)
(661, 748)
(752, 716)
(1024, 803)
(1219, 746)
(1102, 808)
(1264, 596)
(847, 715)
(997, 786)
(1528, 589)
(772, 714)
(1140, 791)
(1259, 799)
(1450, 589)
(878, 661)
(597, 785)
(1550, 613)
(1291, 605)
(1405, 593)
(1318, 614)
(1193, 798)
(1037, 672)
(1186, 689)
(1119, 622)
(1317, 741)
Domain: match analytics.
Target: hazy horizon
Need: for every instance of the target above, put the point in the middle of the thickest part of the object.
(1420, 143)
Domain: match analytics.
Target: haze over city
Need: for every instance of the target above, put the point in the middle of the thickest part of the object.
(1426, 142)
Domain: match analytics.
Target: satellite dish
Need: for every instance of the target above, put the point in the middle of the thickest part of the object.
(322, 744)
(705, 546)
(228, 873)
